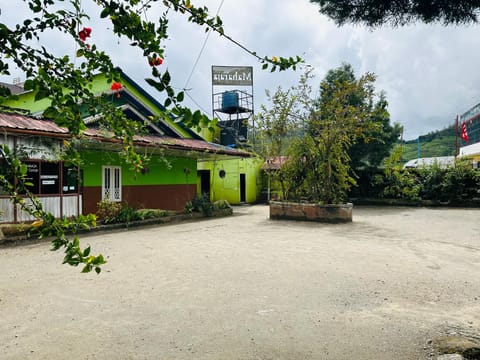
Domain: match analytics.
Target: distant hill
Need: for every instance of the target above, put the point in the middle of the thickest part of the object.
(435, 143)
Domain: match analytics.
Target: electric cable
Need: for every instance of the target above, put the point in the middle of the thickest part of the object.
(201, 50)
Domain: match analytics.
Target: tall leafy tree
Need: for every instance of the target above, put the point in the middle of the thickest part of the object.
(376, 143)
(341, 117)
(375, 13)
(284, 116)
(345, 128)
(369, 152)
(281, 122)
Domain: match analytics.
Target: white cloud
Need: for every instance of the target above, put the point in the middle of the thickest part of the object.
(429, 72)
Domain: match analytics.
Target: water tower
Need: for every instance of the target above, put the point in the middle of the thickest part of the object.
(232, 102)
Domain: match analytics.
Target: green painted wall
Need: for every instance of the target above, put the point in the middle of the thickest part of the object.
(228, 188)
(210, 136)
(27, 101)
(159, 173)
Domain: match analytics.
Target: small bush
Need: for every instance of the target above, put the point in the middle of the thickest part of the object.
(454, 183)
(221, 205)
(107, 211)
(200, 204)
(153, 213)
(113, 212)
(126, 215)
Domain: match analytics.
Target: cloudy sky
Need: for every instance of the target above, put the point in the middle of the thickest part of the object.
(429, 72)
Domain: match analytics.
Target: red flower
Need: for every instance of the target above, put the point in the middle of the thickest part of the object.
(84, 33)
(155, 61)
(116, 86)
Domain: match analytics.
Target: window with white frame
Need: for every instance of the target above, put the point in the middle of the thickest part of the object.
(112, 183)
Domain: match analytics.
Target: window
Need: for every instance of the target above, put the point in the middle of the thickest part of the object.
(49, 178)
(112, 183)
(70, 179)
(44, 178)
(33, 176)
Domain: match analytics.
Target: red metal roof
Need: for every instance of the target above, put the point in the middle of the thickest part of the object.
(173, 143)
(28, 125)
(274, 162)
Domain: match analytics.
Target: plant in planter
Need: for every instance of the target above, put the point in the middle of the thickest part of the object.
(318, 168)
(279, 125)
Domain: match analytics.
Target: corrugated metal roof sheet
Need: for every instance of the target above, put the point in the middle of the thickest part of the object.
(173, 143)
(14, 88)
(442, 161)
(274, 163)
(26, 124)
(469, 150)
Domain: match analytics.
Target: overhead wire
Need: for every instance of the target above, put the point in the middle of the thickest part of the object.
(198, 59)
(195, 102)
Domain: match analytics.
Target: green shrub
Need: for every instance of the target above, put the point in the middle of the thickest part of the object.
(200, 204)
(454, 183)
(221, 205)
(431, 179)
(400, 184)
(461, 182)
(126, 215)
(108, 210)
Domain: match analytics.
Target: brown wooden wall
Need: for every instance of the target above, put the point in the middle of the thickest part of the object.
(165, 197)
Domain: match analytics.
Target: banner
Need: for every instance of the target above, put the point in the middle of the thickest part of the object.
(232, 75)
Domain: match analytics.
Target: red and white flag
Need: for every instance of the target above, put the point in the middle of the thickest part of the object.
(464, 133)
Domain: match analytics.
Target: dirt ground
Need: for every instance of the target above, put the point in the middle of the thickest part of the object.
(246, 287)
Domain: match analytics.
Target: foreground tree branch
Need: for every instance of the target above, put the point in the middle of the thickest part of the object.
(65, 80)
(374, 13)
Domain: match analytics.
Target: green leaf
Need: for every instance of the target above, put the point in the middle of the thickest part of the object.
(180, 96)
(86, 252)
(105, 12)
(80, 52)
(160, 87)
(41, 94)
(99, 260)
(29, 85)
(166, 78)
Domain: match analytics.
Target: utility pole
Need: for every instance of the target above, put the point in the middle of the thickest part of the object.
(456, 137)
(418, 147)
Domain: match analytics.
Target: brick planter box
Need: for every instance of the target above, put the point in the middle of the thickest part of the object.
(338, 213)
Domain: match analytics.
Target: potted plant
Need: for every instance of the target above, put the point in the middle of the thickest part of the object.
(317, 173)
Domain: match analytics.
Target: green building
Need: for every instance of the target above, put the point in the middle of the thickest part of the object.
(181, 163)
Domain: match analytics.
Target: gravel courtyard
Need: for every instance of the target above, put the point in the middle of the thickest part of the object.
(246, 287)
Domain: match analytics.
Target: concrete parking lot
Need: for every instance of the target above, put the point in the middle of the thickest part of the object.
(246, 287)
